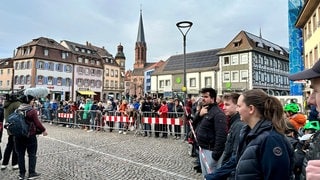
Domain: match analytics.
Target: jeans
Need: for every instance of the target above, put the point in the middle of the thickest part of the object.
(147, 128)
(47, 113)
(7, 152)
(206, 159)
(31, 146)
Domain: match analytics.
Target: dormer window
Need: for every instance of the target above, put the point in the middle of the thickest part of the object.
(237, 42)
(46, 52)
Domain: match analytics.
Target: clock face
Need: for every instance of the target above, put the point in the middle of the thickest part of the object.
(178, 80)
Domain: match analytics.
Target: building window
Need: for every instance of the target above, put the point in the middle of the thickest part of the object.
(51, 66)
(16, 80)
(68, 68)
(92, 72)
(116, 84)
(28, 78)
(68, 82)
(59, 81)
(59, 67)
(98, 73)
(226, 76)
(28, 65)
(107, 72)
(226, 60)
(116, 73)
(50, 80)
(98, 84)
(86, 60)
(22, 65)
(63, 55)
(79, 82)
(86, 82)
(86, 71)
(22, 80)
(207, 82)
(41, 65)
(234, 60)
(243, 75)
(161, 83)
(107, 83)
(111, 84)
(167, 82)
(80, 70)
(92, 83)
(192, 82)
(112, 73)
(80, 60)
(8, 83)
(92, 61)
(0, 83)
(40, 79)
(46, 52)
(244, 59)
(235, 76)
(8, 71)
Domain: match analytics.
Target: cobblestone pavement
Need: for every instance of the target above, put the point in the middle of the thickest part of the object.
(76, 154)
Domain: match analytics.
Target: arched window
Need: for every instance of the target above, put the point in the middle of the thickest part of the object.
(22, 80)
(28, 66)
(59, 81)
(40, 79)
(28, 79)
(16, 80)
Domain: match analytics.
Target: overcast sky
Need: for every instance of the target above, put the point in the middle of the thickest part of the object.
(111, 22)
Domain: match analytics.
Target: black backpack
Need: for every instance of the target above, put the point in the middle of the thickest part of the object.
(17, 125)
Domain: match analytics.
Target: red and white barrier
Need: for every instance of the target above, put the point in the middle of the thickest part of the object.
(149, 120)
(65, 115)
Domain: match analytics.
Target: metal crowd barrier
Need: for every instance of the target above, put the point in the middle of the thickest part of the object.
(140, 123)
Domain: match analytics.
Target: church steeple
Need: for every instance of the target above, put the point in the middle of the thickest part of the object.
(141, 46)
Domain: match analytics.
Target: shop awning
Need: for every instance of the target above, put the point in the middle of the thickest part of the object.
(87, 93)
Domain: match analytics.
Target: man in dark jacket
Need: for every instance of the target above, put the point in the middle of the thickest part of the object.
(146, 109)
(211, 132)
(230, 109)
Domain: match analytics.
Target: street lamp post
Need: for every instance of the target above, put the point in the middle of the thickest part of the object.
(184, 27)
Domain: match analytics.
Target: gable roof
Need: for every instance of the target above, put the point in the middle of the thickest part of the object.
(204, 60)
(45, 42)
(249, 42)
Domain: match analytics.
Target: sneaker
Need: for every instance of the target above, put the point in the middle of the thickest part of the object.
(3, 167)
(15, 167)
(21, 176)
(34, 176)
(124, 132)
(120, 132)
(90, 130)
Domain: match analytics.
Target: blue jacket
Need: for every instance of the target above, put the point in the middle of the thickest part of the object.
(263, 153)
(233, 138)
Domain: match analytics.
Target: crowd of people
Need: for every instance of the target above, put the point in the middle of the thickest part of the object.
(247, 135)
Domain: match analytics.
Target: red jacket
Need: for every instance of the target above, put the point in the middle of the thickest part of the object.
(163, 111)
